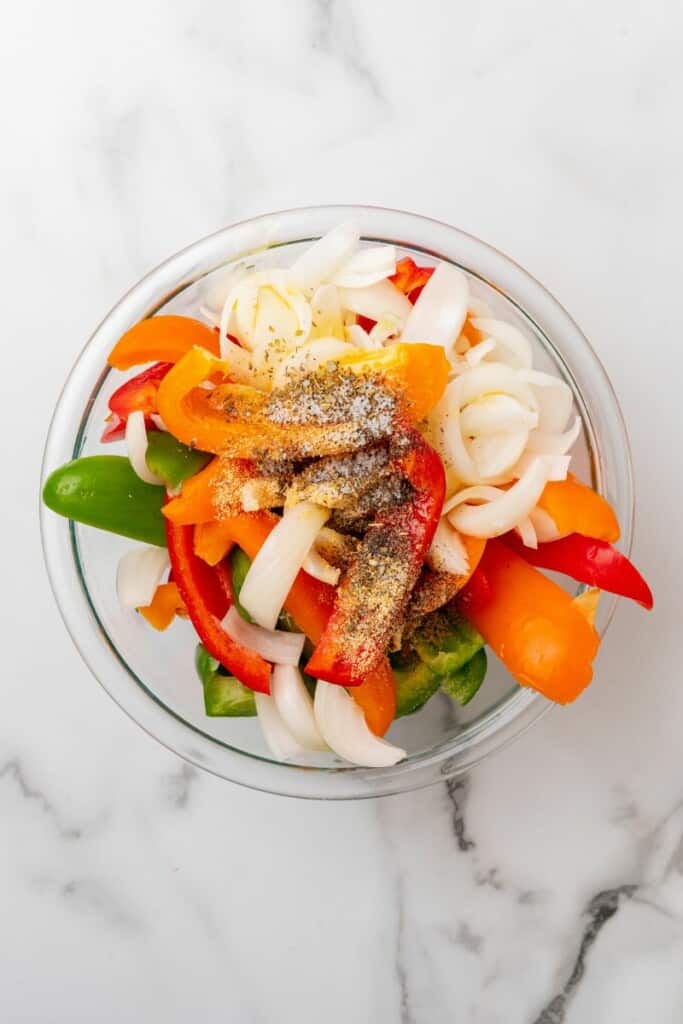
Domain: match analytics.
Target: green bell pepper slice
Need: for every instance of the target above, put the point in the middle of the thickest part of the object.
(104, 491)
(171, 460)
(464, 684)
(224, 696)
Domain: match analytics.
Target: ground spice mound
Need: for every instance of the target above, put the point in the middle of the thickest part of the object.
(373, 597)
(335, 397)
(338, 481)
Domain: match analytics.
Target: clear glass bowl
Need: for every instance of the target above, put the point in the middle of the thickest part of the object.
(150, 675)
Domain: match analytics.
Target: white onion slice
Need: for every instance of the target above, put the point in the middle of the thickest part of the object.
(478, 353)
(496, 413)
(554, 444)
(558, 465)
(441, 309)
(326, 313)
(366, 267)
(279, 739)
(343, 726)
(505, 512)
(384, 329)
(359, 337)
(136, 442)
(544, 525)
(554, 399)
(310, 357)
(322, 259)
(294, 703)
(515, 346)
(158, 422)
(476, 493)
(376, 301)
(320, 569)
(495, 455)
(495, 377)
(447, 552)
(139, 574)
(273, 571)
(526, 531)
(477, 307)
(276, 645)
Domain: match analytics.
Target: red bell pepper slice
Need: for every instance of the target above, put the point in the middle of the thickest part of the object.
(411, 279)
(207, 593)
(373, 593)
(595, 562)
(139, 394)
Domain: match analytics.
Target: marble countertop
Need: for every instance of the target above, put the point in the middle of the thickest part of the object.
(546, 887)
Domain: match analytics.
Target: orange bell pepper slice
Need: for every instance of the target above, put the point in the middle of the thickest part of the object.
(195, 503)
(310, 604)
(161, 339)
(532, 624)
(212, 541)
(576, 508)
(419, 372)
(165, 605)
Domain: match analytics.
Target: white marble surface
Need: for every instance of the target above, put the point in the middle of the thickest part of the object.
(548, 886)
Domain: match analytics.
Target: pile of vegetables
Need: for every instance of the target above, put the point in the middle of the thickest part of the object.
(348, 478)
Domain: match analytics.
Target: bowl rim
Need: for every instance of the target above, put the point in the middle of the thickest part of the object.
(504, 721)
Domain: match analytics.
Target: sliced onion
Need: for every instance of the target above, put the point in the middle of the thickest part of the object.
(544, 525)
(477, 493)
(139, 574)
(320, 569)
(376, 301)
(158, 422)
(136, 441)
(326, 313)
(276, 645)
(495, 455)
(554, 444)
(515, 346)
(366, 267)
(554, 399)
(273, 571)
(359, 337)
(322, 259)
(478, 353)
(310, 357)
(440, 312)
(445, 431)
(294, 703)
(505, 512)
(279, 739)
(477, 307)
(526, 531)
(343, 726)
(495, 413)
(386, 328)
(447, 552)
(495, 377)
(558, 465)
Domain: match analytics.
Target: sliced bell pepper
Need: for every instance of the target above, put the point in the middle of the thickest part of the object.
(586, 560)
(531, 624)
(232, 418)
(165, 338)
(419, 372)
(171, 460)
(165, 605)
(576, 508)
(207, 594)
(139, 394)
(411, 279)
(310, 604)
(373, 594)
(105, 491)
(212, 541)
(213, 493)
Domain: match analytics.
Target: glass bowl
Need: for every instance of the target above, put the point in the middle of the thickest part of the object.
(151, 675)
